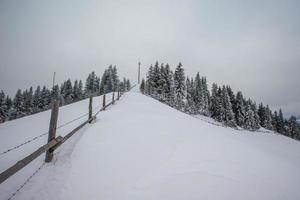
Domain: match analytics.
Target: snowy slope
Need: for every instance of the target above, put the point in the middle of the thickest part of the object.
(142, 149)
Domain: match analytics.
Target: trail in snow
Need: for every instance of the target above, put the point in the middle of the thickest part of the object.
(142, 149)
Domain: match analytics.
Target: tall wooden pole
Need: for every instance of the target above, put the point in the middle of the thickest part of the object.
(52, 129)
(53, 80)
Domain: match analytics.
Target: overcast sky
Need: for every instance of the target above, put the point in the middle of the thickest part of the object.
(252, 45)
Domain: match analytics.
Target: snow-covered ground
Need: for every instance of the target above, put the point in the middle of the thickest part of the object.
(142, 149)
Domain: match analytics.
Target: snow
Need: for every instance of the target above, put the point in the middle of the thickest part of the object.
(142, 149)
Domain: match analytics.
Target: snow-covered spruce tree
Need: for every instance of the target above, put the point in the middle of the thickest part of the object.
(106, 84)
(80, 88)
(262, 115)
(205, 97)
(96, 88)
(268, 118)
(149, 81)
(46, 98)
(179, 87)
(76, 91)
(228, 116)
(280, 122)
(256, 122)
(265, 116)
(37, 101)
(122, 86)
(125, 84)
(232, 98)
(161, 84)
(128, 84)
(8, 105)
(67, 92)
(215, 105)
(249, 117)
(165, 83)
(88, 84)
(142, 86)
(169, 85)
(189, 105)
(55, 92)
(115, 79)
(3, 110)
(28, 101)
(198, 95)
(275, 121)
(240, 109)
(294, 128)
(155, 81)
(91, 84)
(18, 104)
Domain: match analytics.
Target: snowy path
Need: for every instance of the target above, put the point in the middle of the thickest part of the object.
(142, 149)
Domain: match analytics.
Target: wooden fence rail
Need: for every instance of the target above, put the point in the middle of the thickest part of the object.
(53, 141)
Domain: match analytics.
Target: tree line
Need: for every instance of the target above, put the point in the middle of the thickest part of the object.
(32, 101)
(191, 95)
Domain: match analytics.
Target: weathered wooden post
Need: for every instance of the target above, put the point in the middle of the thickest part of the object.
(52, 129)
(91, 109)
(113, 97)
(103, 102)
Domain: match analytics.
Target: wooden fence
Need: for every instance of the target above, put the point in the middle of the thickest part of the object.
(53, 141)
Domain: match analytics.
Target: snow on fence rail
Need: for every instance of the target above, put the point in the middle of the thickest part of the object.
(53, 141)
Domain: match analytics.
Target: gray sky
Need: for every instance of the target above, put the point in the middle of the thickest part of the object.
(252, 45)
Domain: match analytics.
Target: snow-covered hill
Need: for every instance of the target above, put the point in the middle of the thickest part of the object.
(142, 149)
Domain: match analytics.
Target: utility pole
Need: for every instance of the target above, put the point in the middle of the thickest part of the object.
(53, 81)
(139, 73)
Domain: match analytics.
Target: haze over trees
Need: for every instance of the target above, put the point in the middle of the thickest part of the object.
(32, 101)
(191, 95)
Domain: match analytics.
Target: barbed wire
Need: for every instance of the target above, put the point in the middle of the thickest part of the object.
(26, 181)
(73, 120)
(22, 144)
(44, 134)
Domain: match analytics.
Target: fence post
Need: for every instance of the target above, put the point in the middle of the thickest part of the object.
(113, 98)
(103, 102)
(52, 129)
(91, 109)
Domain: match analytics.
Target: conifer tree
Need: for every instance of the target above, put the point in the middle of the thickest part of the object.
(68, 92)
(28, 98)
(280, 122)
(256, 120)
(198, 95)
(215, 102)
(81, 91)
(55, 93)
(268, 118)
(228, 117)
(115, 78)
(179, 87)
(18, 106)
(205, 97)
(189, 106)
(240, 109)
(3, 111)
(149, 82)
(128, 84)
(248, 117)
(142, 86)
(294, 129)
